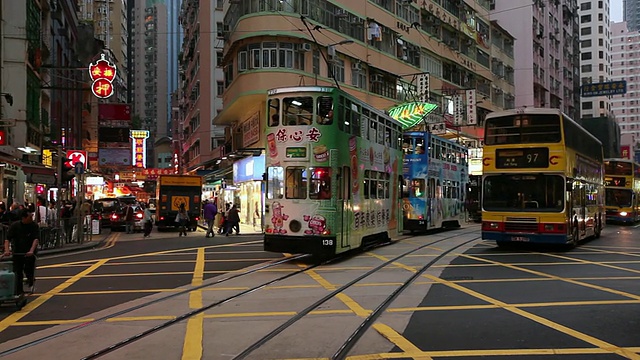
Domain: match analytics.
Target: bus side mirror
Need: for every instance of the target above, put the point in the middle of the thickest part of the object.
(569, 185)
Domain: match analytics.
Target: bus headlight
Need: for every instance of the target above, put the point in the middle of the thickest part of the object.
(623, 213)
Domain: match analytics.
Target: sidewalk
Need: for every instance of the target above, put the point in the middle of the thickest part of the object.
(245, 229)
(96, 240)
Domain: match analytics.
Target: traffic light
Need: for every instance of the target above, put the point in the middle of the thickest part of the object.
(68, 170)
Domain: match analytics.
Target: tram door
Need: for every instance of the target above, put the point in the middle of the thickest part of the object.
(345, 206)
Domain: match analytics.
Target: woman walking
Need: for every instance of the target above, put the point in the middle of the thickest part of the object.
(148, 221)
(182, 219)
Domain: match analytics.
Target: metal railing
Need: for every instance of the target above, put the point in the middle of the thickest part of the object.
(59, 234)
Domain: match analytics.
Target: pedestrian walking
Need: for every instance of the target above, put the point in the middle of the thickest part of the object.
(209, 213)
(233, 220)
(182, 219)
(128, 219)
(148, 221)
(23, 238)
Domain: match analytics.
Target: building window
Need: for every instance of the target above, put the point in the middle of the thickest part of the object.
(585, 43)
(585, 18)
(587, 105)
(219, 57)
(335, 70)
(585, 6)
(316, 62)
(220, 29)
(359, 77)
(586, 68)
(219, 4)
(586, 56)
(220, 88)
(585, 31)
(271, 55)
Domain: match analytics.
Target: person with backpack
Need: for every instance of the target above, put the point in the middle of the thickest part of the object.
(209, 213)
(182, 219)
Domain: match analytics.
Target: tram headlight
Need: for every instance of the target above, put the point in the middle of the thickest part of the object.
(623, 213)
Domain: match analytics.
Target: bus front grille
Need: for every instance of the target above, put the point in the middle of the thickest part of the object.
(521, 219)
(520, 226)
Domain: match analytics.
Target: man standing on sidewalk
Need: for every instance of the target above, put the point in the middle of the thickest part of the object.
(210, 210)
(128, 219)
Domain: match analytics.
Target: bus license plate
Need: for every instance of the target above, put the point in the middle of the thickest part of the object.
(421, 222)
(519, 238)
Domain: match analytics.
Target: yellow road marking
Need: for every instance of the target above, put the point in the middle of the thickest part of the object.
(192, 346)
(539, 273)
(15, 317)
(511, 308)
(112, 240)
(395, 338)
(487, 353)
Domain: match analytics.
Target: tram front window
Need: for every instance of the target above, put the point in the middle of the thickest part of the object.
(535, 192)
(320, 184)
(618, 197)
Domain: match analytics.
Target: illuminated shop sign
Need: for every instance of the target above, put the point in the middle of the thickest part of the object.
(139, 148)
(102, 73)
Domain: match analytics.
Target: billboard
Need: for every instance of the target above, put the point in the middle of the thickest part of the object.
(108, 112)
(114, 156)
(604, 88)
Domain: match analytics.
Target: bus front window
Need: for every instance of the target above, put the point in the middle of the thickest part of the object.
(618, 197)
(535, 192)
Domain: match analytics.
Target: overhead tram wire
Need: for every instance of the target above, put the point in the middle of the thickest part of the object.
(332, 73)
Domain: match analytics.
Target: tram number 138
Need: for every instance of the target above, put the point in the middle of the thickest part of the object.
(327, 242)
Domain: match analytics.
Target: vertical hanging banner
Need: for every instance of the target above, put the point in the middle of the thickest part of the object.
(139, 148)
(472, 114)
(457, 110)
(423, 87)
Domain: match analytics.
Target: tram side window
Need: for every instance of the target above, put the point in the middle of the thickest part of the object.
(320, 184)
(432, 188)
(296, 182)
(274, 112)
(364, 125)
(355, 119)
(406, 186)
(387, 183)
(298, 110)
(382, 183)
(344, 121)
(420, 148)
(325, 110)
(367, 184)
(417, 188)
(275, 182)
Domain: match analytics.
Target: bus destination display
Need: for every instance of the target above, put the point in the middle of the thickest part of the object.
(615, 181)
(522, 158)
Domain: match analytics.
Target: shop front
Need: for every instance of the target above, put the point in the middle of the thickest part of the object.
(247, 178)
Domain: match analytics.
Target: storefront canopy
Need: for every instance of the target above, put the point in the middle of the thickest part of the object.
(409, 114)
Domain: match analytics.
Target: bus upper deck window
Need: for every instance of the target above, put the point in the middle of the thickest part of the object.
(325, 110)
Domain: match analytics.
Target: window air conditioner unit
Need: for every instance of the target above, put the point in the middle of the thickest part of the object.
(356, 66)
(305, 47)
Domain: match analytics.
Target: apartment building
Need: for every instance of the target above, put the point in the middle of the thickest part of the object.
(595, 57)
(547, 62)
(201, 83)
(625, 65)
(631, 14)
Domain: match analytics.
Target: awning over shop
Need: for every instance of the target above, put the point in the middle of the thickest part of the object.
(39, 174)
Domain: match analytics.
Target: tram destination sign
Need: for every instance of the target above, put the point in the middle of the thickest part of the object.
(604, 88)
(615, 181)
(522, 158)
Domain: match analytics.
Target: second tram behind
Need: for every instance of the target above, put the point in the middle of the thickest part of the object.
(622, 189)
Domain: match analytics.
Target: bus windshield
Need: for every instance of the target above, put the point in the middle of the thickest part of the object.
(530, 192)
(523, 129)
(618, 168)
(618, 197)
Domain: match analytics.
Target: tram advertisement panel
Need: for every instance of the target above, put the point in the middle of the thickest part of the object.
(304, 191)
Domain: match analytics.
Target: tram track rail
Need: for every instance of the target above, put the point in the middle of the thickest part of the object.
(233, 276)
(132, 339)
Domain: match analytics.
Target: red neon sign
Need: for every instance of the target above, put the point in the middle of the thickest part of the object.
(102, 73)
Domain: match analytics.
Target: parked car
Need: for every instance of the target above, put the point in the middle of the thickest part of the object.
(118, 218)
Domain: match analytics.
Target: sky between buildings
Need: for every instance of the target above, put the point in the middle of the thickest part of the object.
(616, 10)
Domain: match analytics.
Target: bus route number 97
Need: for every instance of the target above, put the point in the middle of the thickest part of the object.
(327, 242)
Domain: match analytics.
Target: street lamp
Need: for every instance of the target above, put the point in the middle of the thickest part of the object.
(331, 48)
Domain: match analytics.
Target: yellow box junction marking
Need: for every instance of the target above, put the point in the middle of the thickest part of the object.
(511, 308)
(192, 347)
(15, 317)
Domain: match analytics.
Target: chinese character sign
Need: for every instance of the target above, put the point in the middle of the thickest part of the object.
(102, 73)
(472, 118)
(139, 148)
(423, 87)
(625, 152)
(457, 110)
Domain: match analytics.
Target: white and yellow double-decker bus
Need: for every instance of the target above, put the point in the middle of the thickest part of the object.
(542, 179)
(622, 187)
